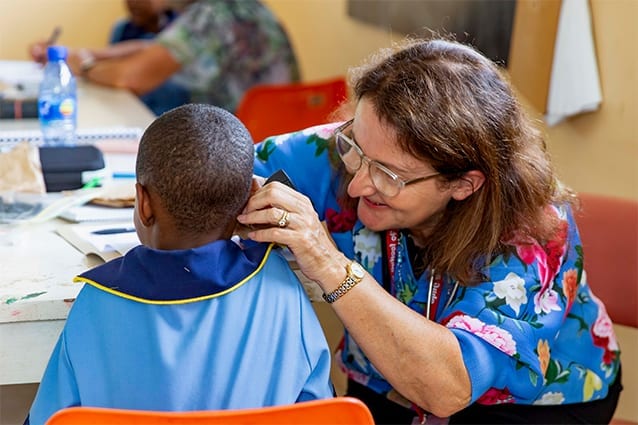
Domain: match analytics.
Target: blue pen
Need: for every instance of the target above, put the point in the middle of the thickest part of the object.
(114, 231)
(122, 175)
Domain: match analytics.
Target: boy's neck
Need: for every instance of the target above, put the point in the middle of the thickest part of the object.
(176, 240)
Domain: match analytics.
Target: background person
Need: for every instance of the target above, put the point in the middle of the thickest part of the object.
(216, 49)
(473, 303)
(190, 320)
(146, 18)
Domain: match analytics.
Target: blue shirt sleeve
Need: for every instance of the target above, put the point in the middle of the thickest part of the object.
(304, 156)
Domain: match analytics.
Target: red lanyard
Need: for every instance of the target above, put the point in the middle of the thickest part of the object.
(436, 281)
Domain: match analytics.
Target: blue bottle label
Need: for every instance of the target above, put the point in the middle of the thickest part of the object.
(49, 110)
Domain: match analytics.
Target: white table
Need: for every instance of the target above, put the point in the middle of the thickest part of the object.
(37, 265)
(36, 290)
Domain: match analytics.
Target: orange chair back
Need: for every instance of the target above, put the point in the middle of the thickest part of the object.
(335, 411)
(268, 110)
(609, 232)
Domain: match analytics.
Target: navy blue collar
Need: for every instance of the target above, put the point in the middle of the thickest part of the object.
(157, 276)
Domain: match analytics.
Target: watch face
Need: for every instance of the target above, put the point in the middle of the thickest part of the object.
(357, 270)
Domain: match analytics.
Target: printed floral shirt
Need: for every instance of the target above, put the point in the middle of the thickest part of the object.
(533, 334)
(226, 47)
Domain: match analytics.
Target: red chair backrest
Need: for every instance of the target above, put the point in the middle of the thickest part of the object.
(268, 110)
(609, 232)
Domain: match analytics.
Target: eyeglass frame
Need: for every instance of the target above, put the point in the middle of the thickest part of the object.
(401, 183)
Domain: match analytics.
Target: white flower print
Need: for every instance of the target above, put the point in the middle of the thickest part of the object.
(546, 301)
(551, 398)
(369, 245)
(512, 289)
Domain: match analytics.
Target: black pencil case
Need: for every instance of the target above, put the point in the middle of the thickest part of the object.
(63, 166)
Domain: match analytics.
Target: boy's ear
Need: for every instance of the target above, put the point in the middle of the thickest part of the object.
(144, 205)
(469, 183)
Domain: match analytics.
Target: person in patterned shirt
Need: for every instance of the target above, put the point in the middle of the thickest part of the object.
(216, 49)
(452, 256)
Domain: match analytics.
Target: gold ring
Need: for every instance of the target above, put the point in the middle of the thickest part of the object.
(283, 221)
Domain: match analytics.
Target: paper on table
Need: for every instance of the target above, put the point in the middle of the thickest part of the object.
(84, 213)
(106, 247)
(20, 77)
(112, 202)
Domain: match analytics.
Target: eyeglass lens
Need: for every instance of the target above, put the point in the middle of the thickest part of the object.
(353, 160)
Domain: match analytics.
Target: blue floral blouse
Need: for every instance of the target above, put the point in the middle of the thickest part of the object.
(532, 334)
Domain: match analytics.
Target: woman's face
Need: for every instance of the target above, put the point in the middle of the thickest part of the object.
(417, 206)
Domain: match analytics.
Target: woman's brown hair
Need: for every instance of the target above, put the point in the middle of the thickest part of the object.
(453, 108)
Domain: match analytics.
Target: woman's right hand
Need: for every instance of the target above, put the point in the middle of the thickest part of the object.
(38, 51)
(306, 237)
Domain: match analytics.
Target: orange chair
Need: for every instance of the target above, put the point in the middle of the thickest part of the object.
(267, 110)
(337, 411)
(609, 232)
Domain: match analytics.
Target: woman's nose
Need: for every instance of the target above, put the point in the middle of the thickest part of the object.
(361, 183)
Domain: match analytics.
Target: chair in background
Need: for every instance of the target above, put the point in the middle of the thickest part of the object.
(337, 411)
(609, 233)
(272, 109)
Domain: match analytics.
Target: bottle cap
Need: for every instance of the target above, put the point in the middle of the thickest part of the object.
(56, 53)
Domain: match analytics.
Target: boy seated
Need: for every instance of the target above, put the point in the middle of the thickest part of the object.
(189, 320)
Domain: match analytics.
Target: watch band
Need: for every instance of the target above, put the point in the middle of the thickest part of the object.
(354, 275)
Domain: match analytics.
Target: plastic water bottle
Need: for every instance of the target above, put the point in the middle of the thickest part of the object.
(57, 99)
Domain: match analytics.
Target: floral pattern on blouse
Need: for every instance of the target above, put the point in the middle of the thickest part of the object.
(543, 337)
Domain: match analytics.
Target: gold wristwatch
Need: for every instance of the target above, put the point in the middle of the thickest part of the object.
(354, 275)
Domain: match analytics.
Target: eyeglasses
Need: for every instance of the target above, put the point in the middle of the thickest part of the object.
(384, 180)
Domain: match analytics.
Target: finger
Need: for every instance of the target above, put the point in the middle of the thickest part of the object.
(273, 194)
(266, 217)
(241, 230)
(256, 184)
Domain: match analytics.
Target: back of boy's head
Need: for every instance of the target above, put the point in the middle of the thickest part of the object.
(199, 160)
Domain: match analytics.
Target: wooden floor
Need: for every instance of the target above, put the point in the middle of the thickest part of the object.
(15, 401)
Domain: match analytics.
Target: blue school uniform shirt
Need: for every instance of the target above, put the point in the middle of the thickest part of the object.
(215, 327)
(533, 333)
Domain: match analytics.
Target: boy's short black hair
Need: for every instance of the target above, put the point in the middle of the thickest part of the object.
(199, 160)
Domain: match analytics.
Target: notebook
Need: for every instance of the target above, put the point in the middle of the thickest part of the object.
(84, 135)
(107, 247)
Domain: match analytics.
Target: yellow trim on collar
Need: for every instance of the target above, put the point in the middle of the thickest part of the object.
(79, 279)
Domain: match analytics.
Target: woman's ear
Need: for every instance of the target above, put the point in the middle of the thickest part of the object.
(144, 205)
(467, 184)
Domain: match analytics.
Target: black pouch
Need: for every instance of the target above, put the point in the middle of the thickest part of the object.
(63, 166)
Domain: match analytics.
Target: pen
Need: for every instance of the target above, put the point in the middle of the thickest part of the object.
(113, 231)
(54, 35)
(123, 175)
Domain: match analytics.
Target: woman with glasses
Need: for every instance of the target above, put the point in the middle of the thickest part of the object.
(451, 254)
